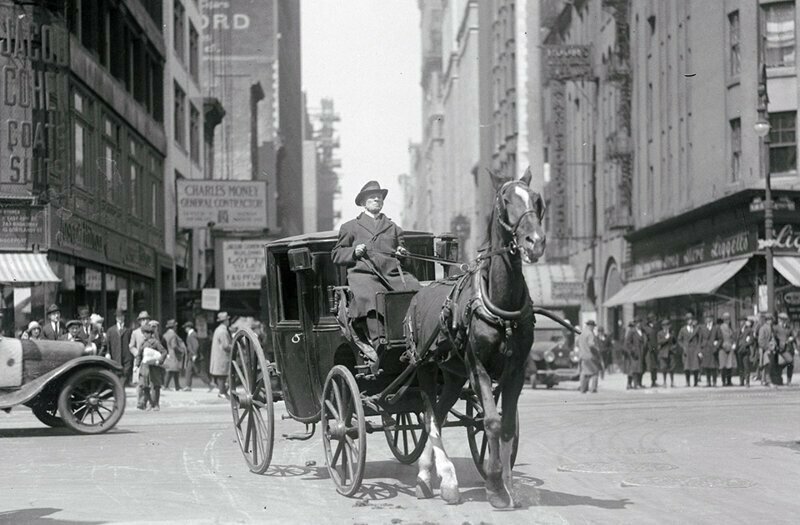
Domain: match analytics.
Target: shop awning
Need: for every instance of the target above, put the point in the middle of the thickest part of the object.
(700, 281)
(789, 267)
(19, 268)
(553, 284)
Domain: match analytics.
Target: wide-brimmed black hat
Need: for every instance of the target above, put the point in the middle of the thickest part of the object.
(370, 187)
(53, 309)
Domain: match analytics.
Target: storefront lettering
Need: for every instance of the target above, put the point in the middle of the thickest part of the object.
(80, 234)
(788, 239)
(730, 246)
(717, 249)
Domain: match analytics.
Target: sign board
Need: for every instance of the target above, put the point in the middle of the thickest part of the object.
(243, 264)
(240, 28)
(21, 228)
(763, 298)
(568, 62)
(209, 299)
(572, 291)
(224, 204)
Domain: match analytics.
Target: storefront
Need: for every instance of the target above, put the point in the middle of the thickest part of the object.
(712, 260)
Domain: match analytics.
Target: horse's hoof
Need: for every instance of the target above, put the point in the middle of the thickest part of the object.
(423, 490)
(450, 494)
(500, 500)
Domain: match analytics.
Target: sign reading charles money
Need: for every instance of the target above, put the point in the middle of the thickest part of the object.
(243, 264)
(222, 204)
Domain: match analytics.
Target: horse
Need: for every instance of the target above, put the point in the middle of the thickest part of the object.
(489, 332)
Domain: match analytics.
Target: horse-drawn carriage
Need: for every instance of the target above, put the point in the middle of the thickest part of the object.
(62, 385)
(325, 379)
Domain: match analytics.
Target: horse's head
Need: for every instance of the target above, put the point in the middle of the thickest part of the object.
(520, 210)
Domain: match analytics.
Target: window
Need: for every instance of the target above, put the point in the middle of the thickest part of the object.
(179, 122)
(779, 34)
(136, 178)
(194, 53)
(783, 142)
(82, 152)
(736, 148)
(153, 204)
(734, 62)
(110, 162)
(194, 134)
(179, 29)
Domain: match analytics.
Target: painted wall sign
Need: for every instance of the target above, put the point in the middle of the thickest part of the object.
(243, 264)
(568, 290)
(21, 228)
(223, 204)
(568, 62)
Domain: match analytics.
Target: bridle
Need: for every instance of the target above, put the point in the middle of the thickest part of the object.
(511, 247)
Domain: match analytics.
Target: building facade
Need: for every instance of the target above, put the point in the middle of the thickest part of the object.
(81, 185)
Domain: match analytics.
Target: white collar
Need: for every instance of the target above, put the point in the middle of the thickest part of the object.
(370, 214)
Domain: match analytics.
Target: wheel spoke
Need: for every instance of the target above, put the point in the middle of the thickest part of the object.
(241, 376)
(105, 408)
(345, 467)
(241, 418)
(332, 410)
(247, 433)
(405, 436)
(337, 394)
(339, 449)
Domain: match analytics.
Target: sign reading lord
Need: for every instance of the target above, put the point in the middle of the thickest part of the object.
(243, 265)
(225, 204)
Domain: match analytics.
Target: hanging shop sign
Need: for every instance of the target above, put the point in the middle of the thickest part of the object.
(242, 264)
(210, 299)
(568, 62)
(222, 204)
(21, 228)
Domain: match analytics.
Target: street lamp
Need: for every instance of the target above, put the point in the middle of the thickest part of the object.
(762, 129)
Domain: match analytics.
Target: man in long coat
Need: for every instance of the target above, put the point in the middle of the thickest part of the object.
(784, 353)
(665, 341)
(745, 346)
(173, 365)
(591, 362)
(689, 343)
(766, 347)
(118, 337)
(369, 246)
(651, 352)
(191, 364)
(221, 345)
(635, 348)
(137, 341)
(727, 350)
(709, 343)
(151, 375)
(54, 328)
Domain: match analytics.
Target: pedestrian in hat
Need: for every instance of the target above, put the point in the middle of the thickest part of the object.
(191, 363)
(73, 332)
(176, 349)
(709, 343)
(221, 345)
(86, 324)
(689, 344)
(33, 332)
(148, 363)
(665, 340)
(54, 328)
(370, 246)
(651, 330)
(635, 348)
(137, 340)
(784, 352)
(766, 346)
(745, 345)
(118, 338)
(727, 350)
(97, 336)
(591, 362)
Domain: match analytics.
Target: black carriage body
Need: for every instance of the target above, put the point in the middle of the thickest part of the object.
(305, 335)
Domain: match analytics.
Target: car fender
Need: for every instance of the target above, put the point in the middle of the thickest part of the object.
(30, 390)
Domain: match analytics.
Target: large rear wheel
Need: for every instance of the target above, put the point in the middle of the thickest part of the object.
(251, 401)
(407, 438)
(344, 430)
(476, 435)
(92, 401)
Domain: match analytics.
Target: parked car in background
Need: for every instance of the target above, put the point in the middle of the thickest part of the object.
(553, 357)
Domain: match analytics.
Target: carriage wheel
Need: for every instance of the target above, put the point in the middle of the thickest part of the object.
(48, 415)
(251, 401)
(344, 430)
(407, 439)
(476, 436)
(92, 401)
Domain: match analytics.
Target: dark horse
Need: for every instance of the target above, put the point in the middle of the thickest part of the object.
(490, 330)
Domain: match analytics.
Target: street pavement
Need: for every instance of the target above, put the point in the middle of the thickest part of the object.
(682, 455)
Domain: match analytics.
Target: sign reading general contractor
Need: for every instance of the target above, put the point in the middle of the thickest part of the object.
(224, 204)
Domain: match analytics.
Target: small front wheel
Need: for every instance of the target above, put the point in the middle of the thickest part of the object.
(408, 437)
(92, 401)
(344, 430)
(48, 415)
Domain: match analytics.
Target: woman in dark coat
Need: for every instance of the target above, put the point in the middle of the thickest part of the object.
(370, 246)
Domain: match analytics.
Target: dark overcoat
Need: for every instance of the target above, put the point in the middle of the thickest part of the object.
(174, 345)
(635, 348)
(689, 341)
(746, 344)
(381, 236)
(667, 358)
(709, 344)
(118, 341)
(651, 351)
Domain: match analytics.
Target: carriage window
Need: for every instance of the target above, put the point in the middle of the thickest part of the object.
(287, 287)
(422, 270)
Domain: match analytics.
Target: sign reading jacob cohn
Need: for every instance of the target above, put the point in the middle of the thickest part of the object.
(243, 265)
(227, 204)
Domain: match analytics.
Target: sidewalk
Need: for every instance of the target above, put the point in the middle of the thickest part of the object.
(616, 382)
(198, 397)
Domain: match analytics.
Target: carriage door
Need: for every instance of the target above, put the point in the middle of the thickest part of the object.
(293, 334)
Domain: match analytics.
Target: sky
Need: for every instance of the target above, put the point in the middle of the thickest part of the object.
(365, 55)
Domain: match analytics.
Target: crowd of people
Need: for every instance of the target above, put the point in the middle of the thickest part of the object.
(760, 349)
(152, 358)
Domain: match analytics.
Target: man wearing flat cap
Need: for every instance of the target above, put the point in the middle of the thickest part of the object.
(689, 343)
(591, 362)
(370, 247)
(54, 328)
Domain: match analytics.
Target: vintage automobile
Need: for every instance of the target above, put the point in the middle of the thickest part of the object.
(553, 357)
(62, 385)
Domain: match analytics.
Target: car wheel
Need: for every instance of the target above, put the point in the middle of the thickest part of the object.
(92, 401)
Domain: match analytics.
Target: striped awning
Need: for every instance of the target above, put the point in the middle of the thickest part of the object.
(789, 267)
(21, 268)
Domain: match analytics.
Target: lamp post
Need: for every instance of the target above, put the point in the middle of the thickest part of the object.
(762, 128)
